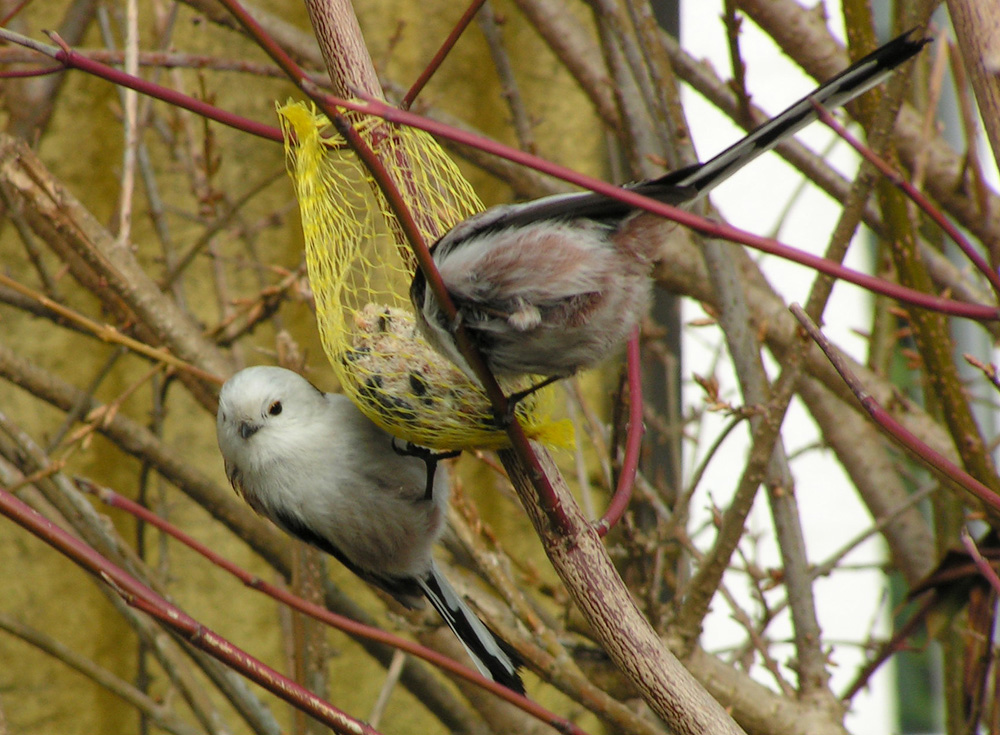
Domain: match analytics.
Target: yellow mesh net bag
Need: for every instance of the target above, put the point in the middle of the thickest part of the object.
(360, 268)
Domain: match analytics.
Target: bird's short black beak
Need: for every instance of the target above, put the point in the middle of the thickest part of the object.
(248, 429)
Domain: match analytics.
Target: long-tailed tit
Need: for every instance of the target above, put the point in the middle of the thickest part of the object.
(317, 467)
(553, 286)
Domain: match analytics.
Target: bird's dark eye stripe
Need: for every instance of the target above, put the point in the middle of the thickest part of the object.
(275, 408)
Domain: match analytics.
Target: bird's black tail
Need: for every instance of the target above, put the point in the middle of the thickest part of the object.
(487, 651)
(854, 81)
(690, 183)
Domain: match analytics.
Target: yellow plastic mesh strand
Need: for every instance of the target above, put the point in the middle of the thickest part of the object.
(360, 269)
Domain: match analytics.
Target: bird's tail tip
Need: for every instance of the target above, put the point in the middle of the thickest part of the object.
(493, 656)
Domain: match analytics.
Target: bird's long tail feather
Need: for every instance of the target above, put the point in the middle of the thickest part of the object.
(854, 81)
(689, 183)
(486, 650)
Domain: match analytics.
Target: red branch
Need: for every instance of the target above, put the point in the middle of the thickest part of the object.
(73, 60)
(351, 627)
(138, 595)
(929, 456)
(633, 442)
(982, 564)
(442, 53)
(918, 198)
(712, 229)
(378, 108)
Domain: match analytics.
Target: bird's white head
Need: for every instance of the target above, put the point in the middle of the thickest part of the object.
(260, 409)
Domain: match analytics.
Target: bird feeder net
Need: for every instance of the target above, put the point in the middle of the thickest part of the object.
(360, 267)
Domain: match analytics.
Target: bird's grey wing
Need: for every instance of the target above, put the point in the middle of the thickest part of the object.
(407, 591)
(589, 205)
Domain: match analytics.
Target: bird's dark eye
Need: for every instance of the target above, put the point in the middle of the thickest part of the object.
(275, 408)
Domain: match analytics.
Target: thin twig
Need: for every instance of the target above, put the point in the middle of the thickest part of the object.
(490, 25)
(391, 680)
(442, 53)
(158, 712)
(108, 333)
(131, 123)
